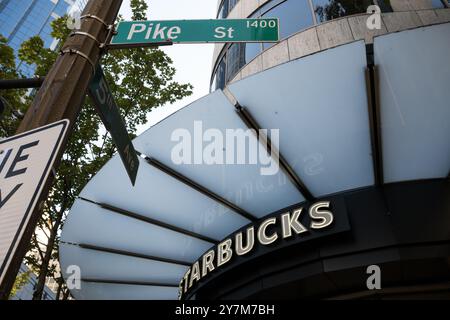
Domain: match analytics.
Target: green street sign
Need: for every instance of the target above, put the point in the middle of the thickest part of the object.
(109, 113)
(196, 31)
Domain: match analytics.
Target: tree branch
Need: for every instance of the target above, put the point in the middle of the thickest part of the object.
(41, 254)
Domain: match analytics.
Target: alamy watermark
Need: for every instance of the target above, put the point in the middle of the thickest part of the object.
(236, 146)
(374, 280)
(73, 280)
(374, 20)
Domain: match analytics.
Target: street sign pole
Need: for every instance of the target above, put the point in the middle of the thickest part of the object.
(61, 96)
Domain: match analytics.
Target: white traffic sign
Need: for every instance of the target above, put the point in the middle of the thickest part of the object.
(26, 161)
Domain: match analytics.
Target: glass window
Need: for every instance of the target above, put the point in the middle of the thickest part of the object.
(331, 9)
(385, 5)
(269, 5)
(232, 4)
(251, 50)
(213, 84)
(294, 16)
(220, 74)
(438, 4)
(61, 8)
(226, 7)
(235, 60)
(223, 11)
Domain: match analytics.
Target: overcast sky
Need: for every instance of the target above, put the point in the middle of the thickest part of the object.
(192, 61)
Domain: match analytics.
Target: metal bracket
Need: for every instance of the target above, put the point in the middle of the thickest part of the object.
(91, 16)
(109, 27)
(82, 33)
(111, 32)
(81, 54)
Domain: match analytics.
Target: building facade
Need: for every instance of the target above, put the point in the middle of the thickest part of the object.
(360, 205)
(23, 19)
(321, 23)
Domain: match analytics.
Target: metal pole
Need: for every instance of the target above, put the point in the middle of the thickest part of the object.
(21, 83)
(61, 96)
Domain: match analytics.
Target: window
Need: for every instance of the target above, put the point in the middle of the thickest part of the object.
(438, 4)
(331, 9)
(213, 84)
(232, 4)
(294, 16)
(266, 7)
(384, 5)
(235, 60)
(219, 76)
(251, 51)
(225, 8)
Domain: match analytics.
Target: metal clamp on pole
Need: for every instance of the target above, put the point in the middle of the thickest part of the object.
(82, 33)
(91, 16)
(81, 54)
(109, 27)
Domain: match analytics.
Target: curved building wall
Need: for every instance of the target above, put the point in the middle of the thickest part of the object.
(309, 26)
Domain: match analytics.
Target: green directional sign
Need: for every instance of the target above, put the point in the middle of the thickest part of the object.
(109, 113)
(196, 31)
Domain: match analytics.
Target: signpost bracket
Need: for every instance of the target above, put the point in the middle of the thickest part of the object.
(92, 16)
(81, 54)
(82, 33)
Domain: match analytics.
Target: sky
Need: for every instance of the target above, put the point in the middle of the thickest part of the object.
(193, 62)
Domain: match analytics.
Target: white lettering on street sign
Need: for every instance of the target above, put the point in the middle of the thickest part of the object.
(25, 163)
(197, 31)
